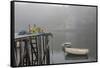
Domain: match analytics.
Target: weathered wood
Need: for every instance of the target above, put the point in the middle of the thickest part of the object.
(39, 49)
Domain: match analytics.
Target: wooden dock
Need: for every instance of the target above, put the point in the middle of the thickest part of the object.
(33, 49)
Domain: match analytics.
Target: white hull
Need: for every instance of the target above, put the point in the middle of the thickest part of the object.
(77, 51)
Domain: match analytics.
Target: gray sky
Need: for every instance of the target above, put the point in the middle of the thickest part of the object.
(75, 24)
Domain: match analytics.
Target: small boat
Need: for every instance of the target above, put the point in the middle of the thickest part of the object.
(77, 51)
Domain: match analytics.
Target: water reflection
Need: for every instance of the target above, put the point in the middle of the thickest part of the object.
(75, 57)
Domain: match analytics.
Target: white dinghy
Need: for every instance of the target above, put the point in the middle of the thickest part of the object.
(77, 51)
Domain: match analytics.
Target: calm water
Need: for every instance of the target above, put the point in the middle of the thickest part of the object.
(75, 24)
(58, 55)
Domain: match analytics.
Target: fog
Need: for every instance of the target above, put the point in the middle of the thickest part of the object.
(75, 24)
